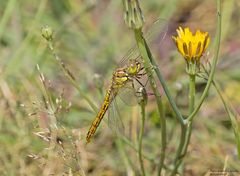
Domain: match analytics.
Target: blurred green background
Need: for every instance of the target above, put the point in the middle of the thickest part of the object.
(91, 38)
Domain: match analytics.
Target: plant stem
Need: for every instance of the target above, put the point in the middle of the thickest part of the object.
(230, 111)
(178, 158)
(191, 93)
(140, 139)
(14, 62)
(186, 127)
(164, 85)
(186, 130)
(71, 78)
(127, 161)
(148, 67)
(5, 17)
(130, 144)
(232, 116)
(215, 59)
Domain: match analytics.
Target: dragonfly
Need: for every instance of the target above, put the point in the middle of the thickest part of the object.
(124, 75)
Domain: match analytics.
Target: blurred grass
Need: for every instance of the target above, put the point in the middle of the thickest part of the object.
(90, 37)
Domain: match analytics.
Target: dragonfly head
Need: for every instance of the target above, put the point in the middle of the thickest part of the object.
(133, 67)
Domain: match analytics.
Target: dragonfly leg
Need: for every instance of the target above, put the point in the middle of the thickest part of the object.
(138, 93)
(139, 75)
(139, 82)
(144, 86)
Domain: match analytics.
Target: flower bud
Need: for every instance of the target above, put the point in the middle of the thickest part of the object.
(133, 16)
(47, 33)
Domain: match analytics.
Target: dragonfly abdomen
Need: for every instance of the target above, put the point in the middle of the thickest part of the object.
(119, 79)
(99, 116)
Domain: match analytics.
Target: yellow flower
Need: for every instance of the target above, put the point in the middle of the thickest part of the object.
(191, 46)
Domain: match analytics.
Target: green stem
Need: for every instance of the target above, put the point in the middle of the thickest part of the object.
(127, 162)
(187, 125)
(181, 144)
(191, 93)
(186, 129)
(14, 62)
(215, 59)
(233, 118)
(216, 86)
(164, 85)
(71, 78)
(140, 139)
(177, 161)
(130, 144)
(6, 15)
(148, 67)
(230, 112)
(188, 137)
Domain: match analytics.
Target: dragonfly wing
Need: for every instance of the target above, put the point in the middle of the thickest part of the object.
(128, 94)
(131, 54)
(114, 119)
(156, 33)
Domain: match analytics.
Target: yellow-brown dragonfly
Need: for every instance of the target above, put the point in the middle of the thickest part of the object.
(120, 77)
(124, 75)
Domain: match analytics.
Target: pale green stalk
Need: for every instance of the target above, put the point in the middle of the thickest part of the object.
(71, 78)
(130, 144)
(127, 162)
(6, 15)
(215, 59)
(140, 139)
(186, 130)
(230, 111)
(178, 156)
(148, 67)
(164, 85)
(232, 116)
(192, 93)
(13, 63)
(134, 19)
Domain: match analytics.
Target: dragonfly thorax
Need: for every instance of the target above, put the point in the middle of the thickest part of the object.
(120, 77)
(134, 67)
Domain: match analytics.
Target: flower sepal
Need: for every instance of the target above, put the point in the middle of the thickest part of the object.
(192, 67)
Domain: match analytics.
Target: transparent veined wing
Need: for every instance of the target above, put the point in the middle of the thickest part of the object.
(114, 119)
(118, 119)
(129, 92)
(155, 33)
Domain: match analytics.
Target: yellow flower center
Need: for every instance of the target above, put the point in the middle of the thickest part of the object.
(191, 46)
